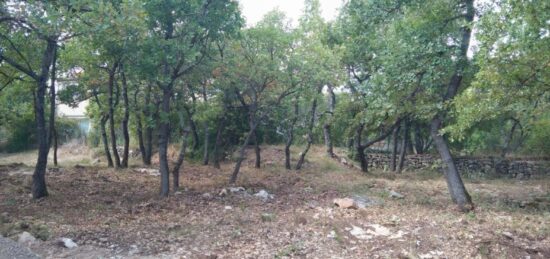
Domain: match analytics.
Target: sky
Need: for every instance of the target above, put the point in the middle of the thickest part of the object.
(254, 10)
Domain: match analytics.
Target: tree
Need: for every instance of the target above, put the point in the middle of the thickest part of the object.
(180, 32)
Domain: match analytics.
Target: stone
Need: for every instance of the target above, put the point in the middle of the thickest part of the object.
(207, 195)
(363, 201)
(264, 195)
(67, 243)
(223, 192)
(236, 189)
(228, 208)
(378, 230)
(133, 250)
(359, 233)
(396, 195)
(345, 203)
(26, 238)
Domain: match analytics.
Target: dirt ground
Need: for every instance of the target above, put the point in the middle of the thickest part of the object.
(111, 213)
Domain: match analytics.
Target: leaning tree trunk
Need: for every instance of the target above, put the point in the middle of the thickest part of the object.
(112, 116)
(327, 124)
(52, 134)
(404, 143)
(125, 119)
(290, 135)
(302, 157)
(147, 152)
(205, 155)
(394, 149)
(458, 192)
(179, 162)
(242, 149)
(164, 133)
(39, 188)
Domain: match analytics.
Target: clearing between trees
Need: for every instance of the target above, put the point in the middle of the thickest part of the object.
(270, 212)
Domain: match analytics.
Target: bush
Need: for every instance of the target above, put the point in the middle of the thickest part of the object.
(539, 137)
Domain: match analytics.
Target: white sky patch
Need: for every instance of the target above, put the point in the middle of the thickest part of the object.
(254, 10)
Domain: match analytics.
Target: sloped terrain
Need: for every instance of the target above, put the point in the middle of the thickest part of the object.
(118, 213)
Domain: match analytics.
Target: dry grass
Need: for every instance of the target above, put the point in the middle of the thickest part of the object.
(114, 210)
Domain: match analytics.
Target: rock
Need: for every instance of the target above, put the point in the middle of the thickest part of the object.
(149, 171)
(378, 230)
(264, 195)
(396, 195)
(228, 208)
(345, 203)
(332, 234)
(223, 192)
(343, 161)
(508, 235)
(67, 242)
(207, 195)
(13, 250)
(236, 189)
(362, 201)
(26, 238)
(359, 233)
(133, 250)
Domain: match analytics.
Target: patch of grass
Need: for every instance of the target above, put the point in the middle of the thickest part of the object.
(290, 250)
(267, 217)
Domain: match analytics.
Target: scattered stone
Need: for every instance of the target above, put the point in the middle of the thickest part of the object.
(378, 230)
(362, 201)
(178, 193)
(359, 233)
(345, 203)
(207, 195)
(343, 161)
(508, 235)
(223, 192)
(12, 250)
(312, 204)
(236, 189)
(264, 195)
(26, 238)
(133, 250)
(331, 234)
(396, 195)
(228, 208)
(149, 171)
(67, 242)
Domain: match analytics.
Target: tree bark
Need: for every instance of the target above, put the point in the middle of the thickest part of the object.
(217, 145)
(360, 149)
(103, 122)
(394, 148)
(148, 147)
(112, 132)
(509, 137)
(290, 135)
(179, 163)
(302, 157)
(125, 119)
(164, 133)
(404, 144)
(139, 127)
(327, 124)
(458, 192)
(242, 150)
(39, 188)
(52, 134)
(257, 149)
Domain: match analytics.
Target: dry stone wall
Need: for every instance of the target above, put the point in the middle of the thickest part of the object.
(472, 166)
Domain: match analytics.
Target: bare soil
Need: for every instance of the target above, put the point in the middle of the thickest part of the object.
(119, 213)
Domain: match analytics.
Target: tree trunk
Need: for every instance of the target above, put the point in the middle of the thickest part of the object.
(164, 133)
(290, 135)
(394, 148)
(148, 128)
(404, 144)
(257, 149)
(125, 119)
(327, 124)
(103, 123)
(139, 127)
(205, 156)
(509, 137)
(458, 192)
(179, 162)
(302, 157)
(193, 126)
(52, 134)
(217, 145)
(112, 115)
(360, 149)
(240, 159)
(39, 188)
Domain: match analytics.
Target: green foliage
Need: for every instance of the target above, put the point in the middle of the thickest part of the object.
(539, 137)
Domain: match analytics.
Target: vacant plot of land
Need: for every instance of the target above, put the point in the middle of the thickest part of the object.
(108, 213)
